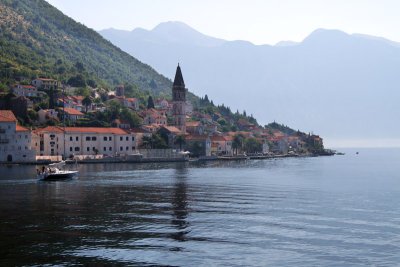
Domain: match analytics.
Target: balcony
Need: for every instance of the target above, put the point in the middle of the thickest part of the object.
(4, 141)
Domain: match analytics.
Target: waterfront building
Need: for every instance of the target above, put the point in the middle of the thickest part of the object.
(179, 101)
(203, 140)
(15, 140)
(86, 141)
(223, 145)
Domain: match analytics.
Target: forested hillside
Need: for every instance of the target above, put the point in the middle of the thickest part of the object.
(37, 40)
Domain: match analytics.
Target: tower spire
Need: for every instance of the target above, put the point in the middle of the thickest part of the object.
(179, 101)
(178, 81)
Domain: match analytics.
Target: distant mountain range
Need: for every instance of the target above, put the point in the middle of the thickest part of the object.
(339, 85)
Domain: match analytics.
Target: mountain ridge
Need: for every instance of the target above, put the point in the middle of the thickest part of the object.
(355, 75)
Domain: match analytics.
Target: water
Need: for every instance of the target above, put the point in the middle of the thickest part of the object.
(325, 211)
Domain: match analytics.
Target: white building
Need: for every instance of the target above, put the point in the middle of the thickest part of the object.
(24, 90)
(15, 140)
(85, 141)
(45, 114)
(42, 83)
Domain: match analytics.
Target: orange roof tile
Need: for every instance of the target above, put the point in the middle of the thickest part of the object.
(7, 116)
(217, 138)
(196, 137)
(21, 129)
(72, 111)
(192, 123)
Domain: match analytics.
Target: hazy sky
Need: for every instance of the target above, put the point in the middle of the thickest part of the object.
(258, 21)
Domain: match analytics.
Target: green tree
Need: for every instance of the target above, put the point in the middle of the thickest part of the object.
(252, 145)
(150, 103)
(195, 149)
(77, 81)
(87, 101)
(180, 140)
(237, 142)
(147, 142)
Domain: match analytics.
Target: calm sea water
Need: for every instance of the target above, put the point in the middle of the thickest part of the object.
(324, 211)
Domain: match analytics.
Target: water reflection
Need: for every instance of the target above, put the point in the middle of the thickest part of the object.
(180, 203)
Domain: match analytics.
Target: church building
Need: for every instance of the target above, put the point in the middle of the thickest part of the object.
(179, 100)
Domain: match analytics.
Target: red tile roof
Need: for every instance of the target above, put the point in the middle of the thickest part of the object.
(44, 79)
(217, 138)
(21, 129)
(7, 116)
(83, 130)
(193, 123)
(72, 111)
(196, 137)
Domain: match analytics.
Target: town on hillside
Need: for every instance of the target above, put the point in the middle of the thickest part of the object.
(43, 120)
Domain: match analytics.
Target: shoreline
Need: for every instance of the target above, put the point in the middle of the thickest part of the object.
(156, 160)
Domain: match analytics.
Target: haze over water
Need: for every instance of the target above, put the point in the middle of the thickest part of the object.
(325, 211)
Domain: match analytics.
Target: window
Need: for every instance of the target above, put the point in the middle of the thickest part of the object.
(127, 138)
(94, 138)
(133, 148)
(70, 148)
(87, 138)
(87, 149)
(127, 148)
(105, 138)
(110, 148)
(70, 138)
(104, 149)
(109, 138)
(120, 148)
(26, 137)
(77, 148)
(133, 138)
(93, 148)
(120, 138)
(77, 138)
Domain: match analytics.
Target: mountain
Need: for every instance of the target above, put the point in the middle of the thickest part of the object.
(37, 40)
(339, 85)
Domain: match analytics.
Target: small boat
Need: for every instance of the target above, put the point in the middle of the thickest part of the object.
(55, 171)
(340, 153)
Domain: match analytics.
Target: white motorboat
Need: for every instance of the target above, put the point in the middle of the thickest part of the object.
(55, 171)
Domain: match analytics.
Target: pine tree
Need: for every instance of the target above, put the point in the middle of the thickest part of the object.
(150, 103)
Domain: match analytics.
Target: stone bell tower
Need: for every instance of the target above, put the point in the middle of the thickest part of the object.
(179, 101)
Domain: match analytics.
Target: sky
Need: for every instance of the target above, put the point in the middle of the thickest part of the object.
(257, 21)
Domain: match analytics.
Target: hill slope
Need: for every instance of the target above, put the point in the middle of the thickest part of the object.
(36, 39)
(339, 85)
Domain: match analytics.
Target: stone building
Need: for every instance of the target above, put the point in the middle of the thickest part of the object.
(179, 101)
(15, 140)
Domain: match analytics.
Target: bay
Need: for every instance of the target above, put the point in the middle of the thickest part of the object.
(317, 211)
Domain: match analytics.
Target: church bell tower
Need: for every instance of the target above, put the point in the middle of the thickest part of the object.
(179, 101)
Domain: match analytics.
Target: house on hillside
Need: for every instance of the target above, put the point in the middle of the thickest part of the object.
(45, 114)
(72, 114)
(121, 124)
(42, 83)
(195, 127)
(24, 90)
